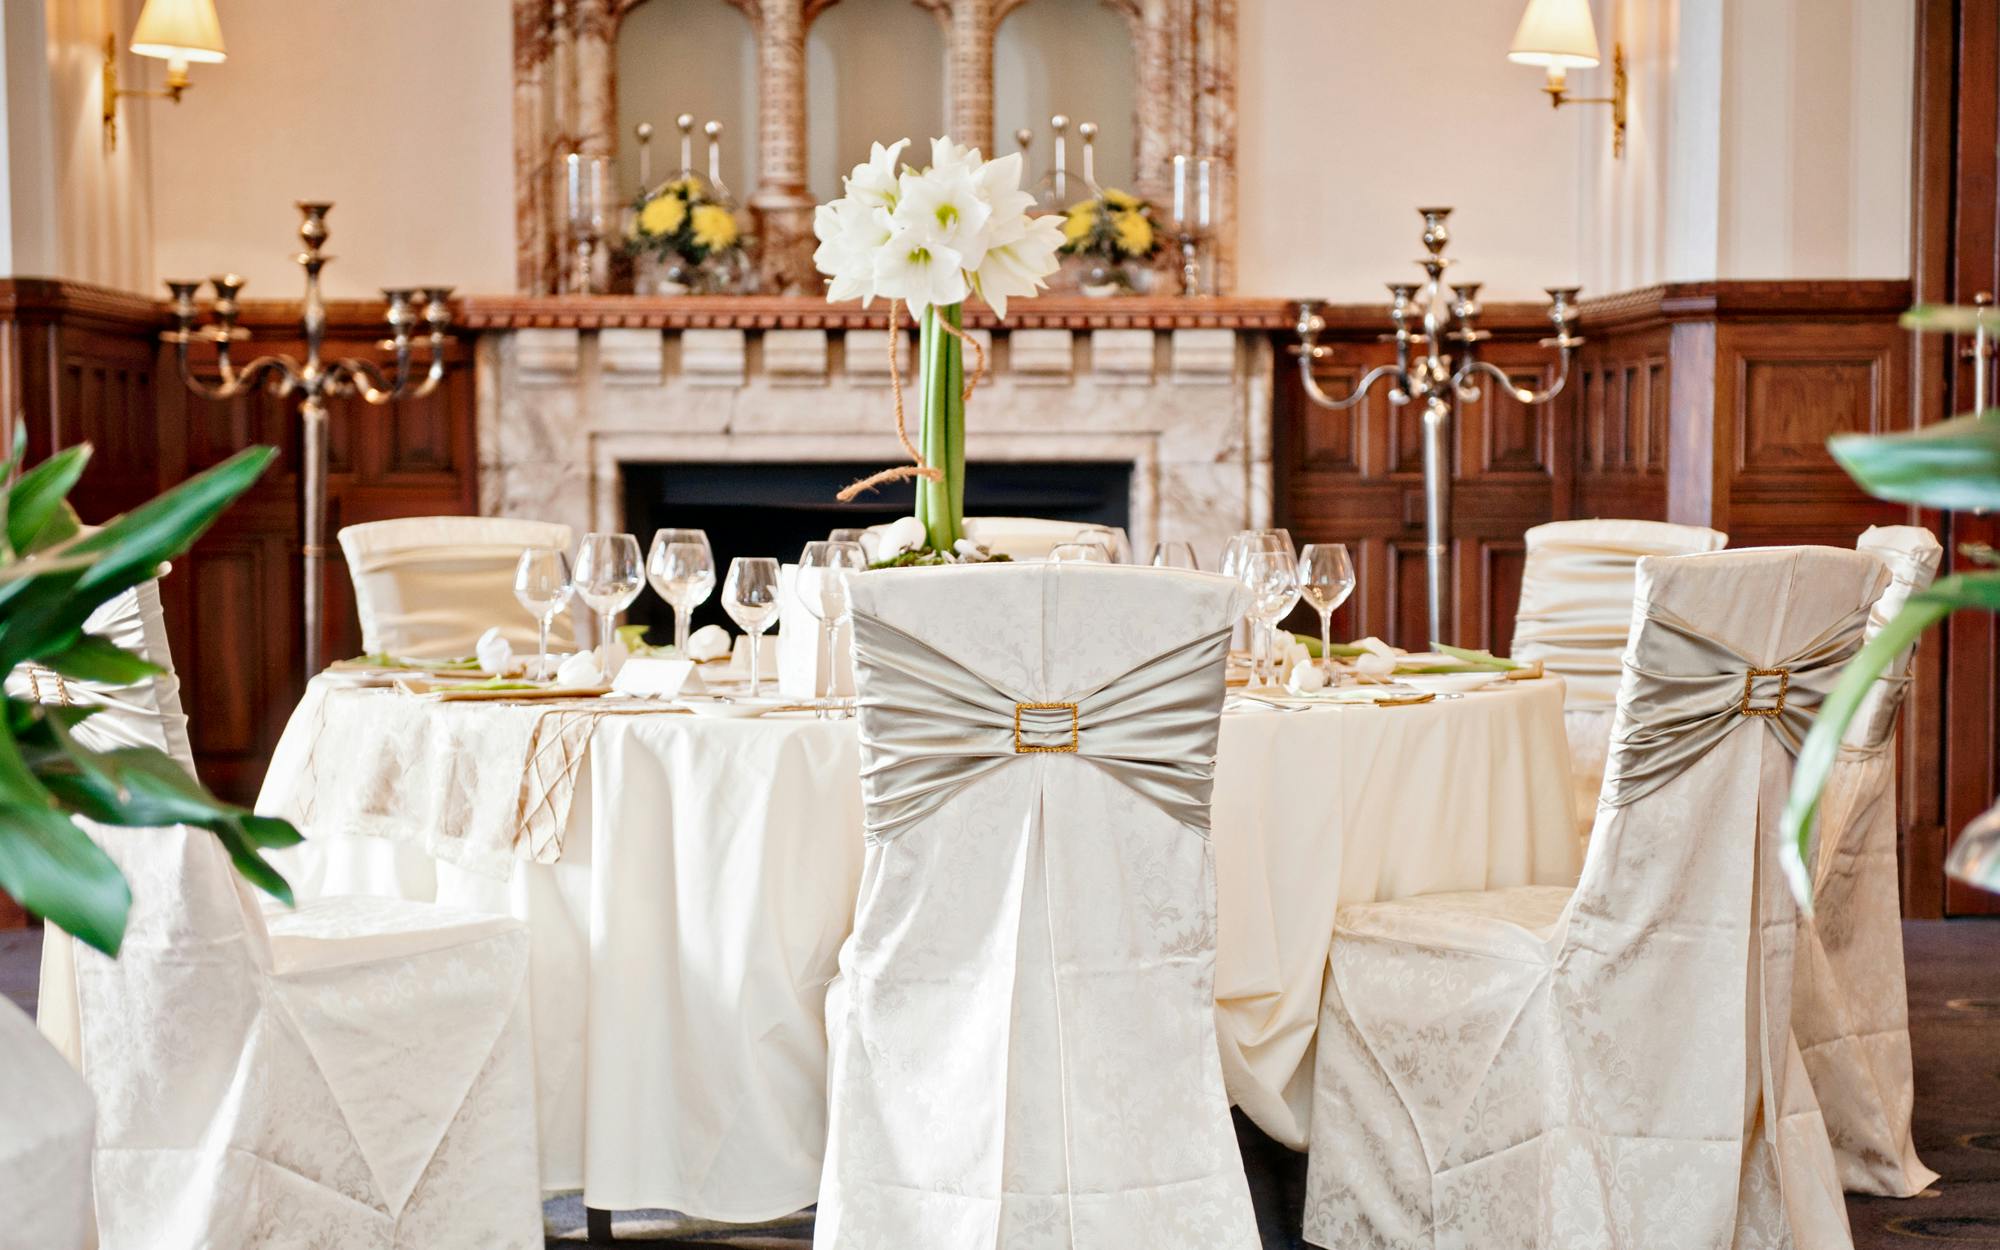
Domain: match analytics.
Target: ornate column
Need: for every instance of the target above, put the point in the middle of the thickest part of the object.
(969, 28)
(533, 103)
(782, 207)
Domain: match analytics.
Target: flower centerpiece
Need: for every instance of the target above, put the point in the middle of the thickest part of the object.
(691, 232)
(1112, 232)
(926, 239)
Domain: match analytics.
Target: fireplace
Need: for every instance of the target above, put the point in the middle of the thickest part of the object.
(774, 509)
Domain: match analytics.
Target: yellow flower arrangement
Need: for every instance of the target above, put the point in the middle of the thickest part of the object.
(663, 215)
(714, 227)
(1115, 225)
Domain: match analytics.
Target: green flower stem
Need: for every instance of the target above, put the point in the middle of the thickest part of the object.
(941, 380)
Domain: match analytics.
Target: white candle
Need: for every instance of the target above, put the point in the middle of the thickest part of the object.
(1201, 195)
(1180, 192)
(573, 168)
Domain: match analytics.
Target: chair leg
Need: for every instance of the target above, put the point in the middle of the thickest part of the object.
(597, 1226)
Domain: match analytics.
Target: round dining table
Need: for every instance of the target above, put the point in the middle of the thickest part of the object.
(688, 881)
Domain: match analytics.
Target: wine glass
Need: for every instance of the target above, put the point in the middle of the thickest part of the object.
(823, 572)
(1326, 578)
(1174, 555)
(750, 596)
(845, 535)
(1116, 549)
(682, 577)
(1232, 566)
(542, 586)
(1079, 553)
(608, 578)
(1273, 581)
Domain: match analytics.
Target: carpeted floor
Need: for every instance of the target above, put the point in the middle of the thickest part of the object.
(1954, 1023)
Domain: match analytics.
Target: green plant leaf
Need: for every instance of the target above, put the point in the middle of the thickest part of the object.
(52, 868)
(1339, 648)
(1822, 744)
(38, 616)
(1951, 318)
(36, 502)
(1476, 658)
(1954, 464)
(91, 658)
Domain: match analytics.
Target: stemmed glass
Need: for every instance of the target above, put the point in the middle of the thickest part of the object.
(542, 586)
(750, 596)
(681, 568)
(608, 579)
(1233, 556)
(1273, 580)
(1326, 578)
(823, 572)
(1174, 555)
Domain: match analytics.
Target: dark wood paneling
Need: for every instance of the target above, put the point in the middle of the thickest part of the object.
(82, 364)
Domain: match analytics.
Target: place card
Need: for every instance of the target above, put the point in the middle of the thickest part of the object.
(648, 676)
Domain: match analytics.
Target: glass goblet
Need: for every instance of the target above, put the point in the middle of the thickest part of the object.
(542, 586)
(750, 596)
(608, 578)
(1272, 578)
(824, 568)
(683, 578)
(1326, 578)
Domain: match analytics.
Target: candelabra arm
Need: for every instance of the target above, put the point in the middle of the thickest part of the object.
(369, 382)
(234, 381)
(1309, 350)
(1522, 394)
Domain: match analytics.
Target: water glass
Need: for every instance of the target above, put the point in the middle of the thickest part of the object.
(1326, 578)
(608, 578)
(1080, 553)
(1232, 564)
(1272, 578)
(750, 596)
(681, 568)
(1174, 555)
(542, 586)
(823, 572)
(1116, 549)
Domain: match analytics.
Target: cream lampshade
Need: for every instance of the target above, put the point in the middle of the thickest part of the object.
(179, 31)
(1557, 33)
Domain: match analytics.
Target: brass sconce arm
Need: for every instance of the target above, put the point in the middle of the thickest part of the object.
(1557, 89)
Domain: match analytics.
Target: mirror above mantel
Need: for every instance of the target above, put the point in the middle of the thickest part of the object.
(1157, 76)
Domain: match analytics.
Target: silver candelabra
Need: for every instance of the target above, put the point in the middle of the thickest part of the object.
(1425, 321)
(313, 379)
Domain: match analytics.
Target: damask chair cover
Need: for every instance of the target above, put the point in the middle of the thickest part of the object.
(353, 1073)
(1022, 1036)
(431, 585)
(1574, 614)
(1850, 1007)
(45, 1127)
(1613, 1066)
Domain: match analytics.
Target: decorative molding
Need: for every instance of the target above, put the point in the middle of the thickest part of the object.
(795, 357)
(713, 357)
(777, 312)
(548, 357)
(1122, 357)
(631, 357)
(1042, 357)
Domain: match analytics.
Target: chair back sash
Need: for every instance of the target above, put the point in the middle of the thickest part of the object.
(930, 726)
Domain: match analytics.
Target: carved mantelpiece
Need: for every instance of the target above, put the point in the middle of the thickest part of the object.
(565, 100)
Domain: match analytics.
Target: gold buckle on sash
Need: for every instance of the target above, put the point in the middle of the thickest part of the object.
(1021, 748)
(1784, 676)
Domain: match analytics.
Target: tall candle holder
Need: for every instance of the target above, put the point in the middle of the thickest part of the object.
(313, 379)
(1424, 319)
(1195, 179)
(584, 179)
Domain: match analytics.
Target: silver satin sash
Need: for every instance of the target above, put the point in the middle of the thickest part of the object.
(931, 727)
(1690, 691)
(1578, 622)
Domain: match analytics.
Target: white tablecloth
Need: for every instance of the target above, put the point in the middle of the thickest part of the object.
(684, 938)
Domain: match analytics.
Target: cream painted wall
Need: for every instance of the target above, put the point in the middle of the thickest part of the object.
(1353, 112)
(399, 111)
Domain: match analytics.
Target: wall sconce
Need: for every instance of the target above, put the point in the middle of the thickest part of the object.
(1560, 35)
(176, 31)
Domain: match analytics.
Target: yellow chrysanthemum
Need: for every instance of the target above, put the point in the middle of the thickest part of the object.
(684, 187)
(1133, 233)
(1079, 221)
(662, 215)
(714, 227)
(1123, 201)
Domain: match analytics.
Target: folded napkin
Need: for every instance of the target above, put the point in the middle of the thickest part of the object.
(495, 653)
(580, 670)
(710, 642)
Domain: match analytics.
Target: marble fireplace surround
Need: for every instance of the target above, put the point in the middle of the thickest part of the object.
(1183, 397)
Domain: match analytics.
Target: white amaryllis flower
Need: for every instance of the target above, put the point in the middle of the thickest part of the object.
(934, 235)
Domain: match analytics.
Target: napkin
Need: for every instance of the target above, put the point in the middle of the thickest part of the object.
(1305, 678)
(710, 642)
(1377, 660)
(496, 654)
(580, 671)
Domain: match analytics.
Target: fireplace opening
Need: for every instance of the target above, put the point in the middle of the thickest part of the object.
(752, 509)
